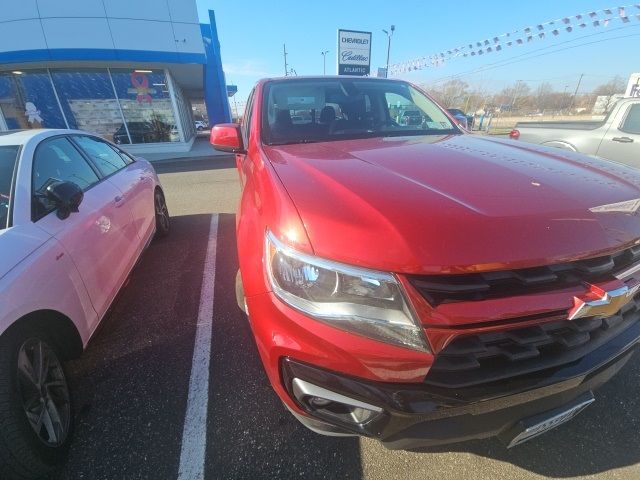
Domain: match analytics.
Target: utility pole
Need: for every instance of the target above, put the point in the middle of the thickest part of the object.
(573, 99)
(286, 67)
(324, 61)
(389, 35)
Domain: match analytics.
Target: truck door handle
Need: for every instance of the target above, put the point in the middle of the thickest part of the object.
(622, 139)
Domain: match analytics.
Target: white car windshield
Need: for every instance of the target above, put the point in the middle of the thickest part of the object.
(304, 111)
(8, 157)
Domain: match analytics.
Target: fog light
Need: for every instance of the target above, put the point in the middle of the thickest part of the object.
(326, 404)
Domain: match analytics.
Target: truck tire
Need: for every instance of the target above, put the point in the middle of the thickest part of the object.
(35, 406)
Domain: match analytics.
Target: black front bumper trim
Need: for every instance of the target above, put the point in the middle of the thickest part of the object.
(417, 415)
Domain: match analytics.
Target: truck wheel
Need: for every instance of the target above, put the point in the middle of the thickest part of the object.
(35, 406)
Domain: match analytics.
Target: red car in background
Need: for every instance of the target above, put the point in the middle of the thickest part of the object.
(419, 284)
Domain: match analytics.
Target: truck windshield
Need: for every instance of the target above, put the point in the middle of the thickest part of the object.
(8, 157)
(304, 111)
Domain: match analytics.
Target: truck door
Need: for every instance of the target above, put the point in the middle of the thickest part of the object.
(621, 143)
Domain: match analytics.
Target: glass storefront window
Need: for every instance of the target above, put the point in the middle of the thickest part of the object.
(27, 100)
(121, 105)
(146, 104)
(88, 100)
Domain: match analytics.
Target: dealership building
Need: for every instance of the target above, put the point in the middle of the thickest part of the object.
(127, 70)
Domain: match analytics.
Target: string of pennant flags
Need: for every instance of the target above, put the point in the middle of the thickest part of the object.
(553, 28)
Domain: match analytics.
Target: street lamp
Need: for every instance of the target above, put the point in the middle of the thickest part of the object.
(324, 61)
(389, 35)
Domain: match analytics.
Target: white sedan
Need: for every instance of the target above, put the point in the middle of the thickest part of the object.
(76, 213)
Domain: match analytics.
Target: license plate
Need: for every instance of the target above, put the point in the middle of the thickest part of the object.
(544, 422)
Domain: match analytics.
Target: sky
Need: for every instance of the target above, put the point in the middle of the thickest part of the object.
(252, 34)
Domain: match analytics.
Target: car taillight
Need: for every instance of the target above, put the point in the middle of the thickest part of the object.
(514, 134)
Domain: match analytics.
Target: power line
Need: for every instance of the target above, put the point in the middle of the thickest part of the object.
(530, 33)
(529, 55)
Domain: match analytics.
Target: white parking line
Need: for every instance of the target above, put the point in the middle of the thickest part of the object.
(194, 435)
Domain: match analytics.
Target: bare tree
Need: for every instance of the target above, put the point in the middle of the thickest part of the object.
(452, 93)
(515, 97)
(608, 90)
(545, 97)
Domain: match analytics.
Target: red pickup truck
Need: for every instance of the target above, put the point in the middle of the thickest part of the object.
(421, 285)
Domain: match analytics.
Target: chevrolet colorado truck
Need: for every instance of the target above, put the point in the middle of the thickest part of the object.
(421, 285)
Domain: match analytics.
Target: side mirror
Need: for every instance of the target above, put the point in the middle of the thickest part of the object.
(66, 196)
(226, 137)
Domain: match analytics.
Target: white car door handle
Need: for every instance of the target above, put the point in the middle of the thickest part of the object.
(622, 139)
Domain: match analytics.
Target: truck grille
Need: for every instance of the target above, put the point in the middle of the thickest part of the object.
(489, 357)
(438, 289)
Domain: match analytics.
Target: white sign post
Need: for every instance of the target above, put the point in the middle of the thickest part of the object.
(633, 87)
(354, 52)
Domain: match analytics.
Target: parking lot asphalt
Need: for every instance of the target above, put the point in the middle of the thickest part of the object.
(131, 386)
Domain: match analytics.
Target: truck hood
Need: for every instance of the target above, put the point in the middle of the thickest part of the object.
(453, 204)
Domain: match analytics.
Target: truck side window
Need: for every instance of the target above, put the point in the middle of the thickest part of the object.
(631, 122)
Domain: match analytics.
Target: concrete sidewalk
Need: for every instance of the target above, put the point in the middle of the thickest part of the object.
(200, 148)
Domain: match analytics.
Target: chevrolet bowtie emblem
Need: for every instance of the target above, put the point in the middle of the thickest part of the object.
(606, 303)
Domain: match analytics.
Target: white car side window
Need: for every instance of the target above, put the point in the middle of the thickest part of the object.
(57, 160)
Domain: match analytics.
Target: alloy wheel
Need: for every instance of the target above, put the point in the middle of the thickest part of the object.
(44, 392)
(162, 212)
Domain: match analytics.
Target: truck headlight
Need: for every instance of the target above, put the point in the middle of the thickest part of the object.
(354, 299)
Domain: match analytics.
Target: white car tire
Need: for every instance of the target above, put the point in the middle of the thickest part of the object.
(25, 453)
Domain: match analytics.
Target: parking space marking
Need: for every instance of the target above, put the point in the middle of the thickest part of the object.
(194, 434)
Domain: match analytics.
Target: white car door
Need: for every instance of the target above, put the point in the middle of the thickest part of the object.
(100, 237)
(134, 179)
(622, 142)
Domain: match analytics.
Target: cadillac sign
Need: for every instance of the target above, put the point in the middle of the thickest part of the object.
(354, 52)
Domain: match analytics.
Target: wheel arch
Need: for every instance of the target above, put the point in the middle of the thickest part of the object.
(562, 144)
(58, 327)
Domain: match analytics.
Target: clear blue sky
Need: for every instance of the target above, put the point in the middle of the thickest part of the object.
(252, 33)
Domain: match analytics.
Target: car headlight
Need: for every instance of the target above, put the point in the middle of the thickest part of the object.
(358, 300)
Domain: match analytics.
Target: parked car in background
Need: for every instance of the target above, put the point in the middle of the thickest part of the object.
(420, 285)
(461, 118)
(152, 131)
(617, 137)
(201, 125)
(410, 117)
(76, 213)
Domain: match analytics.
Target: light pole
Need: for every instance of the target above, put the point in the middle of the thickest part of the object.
(389, 35)
(324, 61)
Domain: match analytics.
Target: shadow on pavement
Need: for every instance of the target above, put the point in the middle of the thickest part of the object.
(195, 164)
(250, 434)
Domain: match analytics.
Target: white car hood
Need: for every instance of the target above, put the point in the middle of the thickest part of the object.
(17, 243)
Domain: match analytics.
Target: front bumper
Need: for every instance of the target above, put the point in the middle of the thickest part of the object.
(417, 415)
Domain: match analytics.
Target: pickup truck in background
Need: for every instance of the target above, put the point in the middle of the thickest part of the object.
(617, 137)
